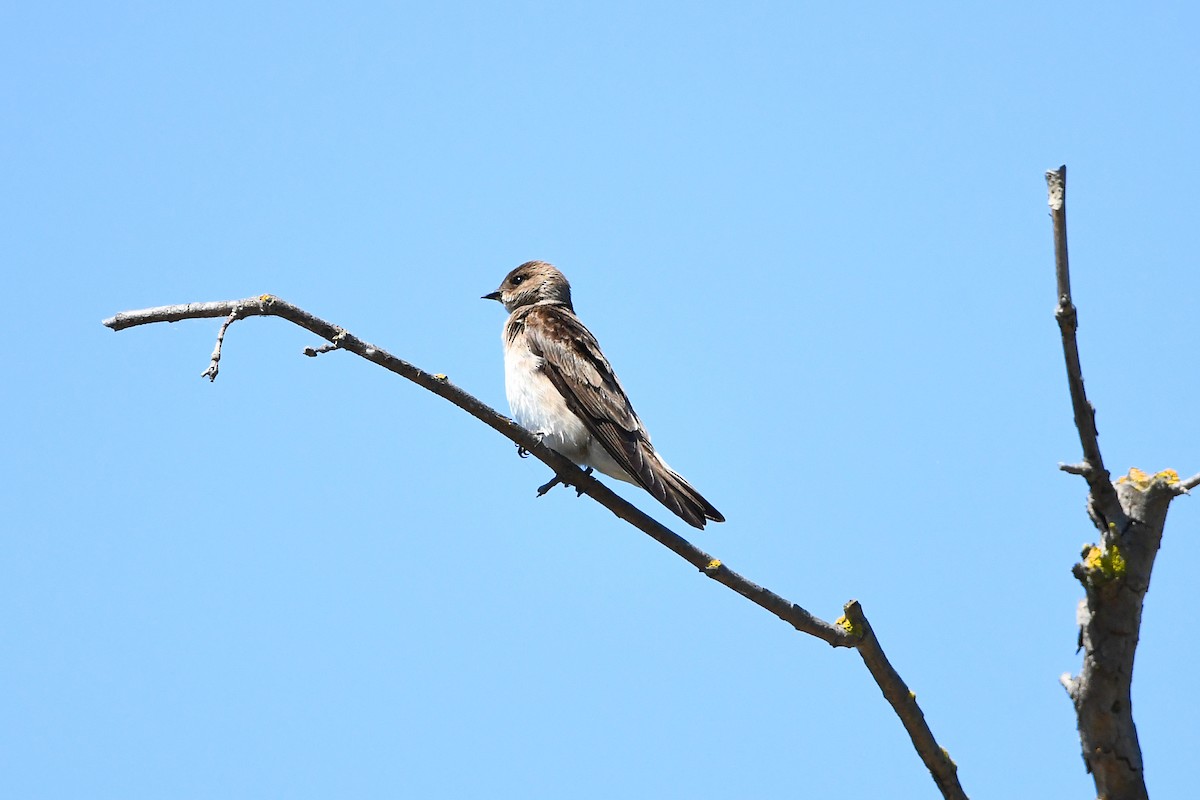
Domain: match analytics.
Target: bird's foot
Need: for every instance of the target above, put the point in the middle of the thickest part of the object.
(555, 481)
(550, 484)
(523, 452)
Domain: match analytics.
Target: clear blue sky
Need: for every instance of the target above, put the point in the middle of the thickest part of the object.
(813, 239)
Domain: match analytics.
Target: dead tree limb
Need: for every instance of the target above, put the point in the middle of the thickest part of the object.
(850, 630)
(1129, 516)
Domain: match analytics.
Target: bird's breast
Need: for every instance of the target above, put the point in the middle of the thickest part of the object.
(538, 406)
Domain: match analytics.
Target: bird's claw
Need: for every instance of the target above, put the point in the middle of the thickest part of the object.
(579, 489)
(523, 451)
(555, 481)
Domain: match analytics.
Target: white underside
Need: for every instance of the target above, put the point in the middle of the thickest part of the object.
(538, 407)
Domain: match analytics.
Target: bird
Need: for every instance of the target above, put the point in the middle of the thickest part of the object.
(561, 388)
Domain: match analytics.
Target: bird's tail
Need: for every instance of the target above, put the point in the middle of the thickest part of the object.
(678, 495)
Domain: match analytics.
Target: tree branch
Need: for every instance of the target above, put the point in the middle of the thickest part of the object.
(215, 361)
(1115, 573)
(851, 630)
(904, 703)
(1103, 506)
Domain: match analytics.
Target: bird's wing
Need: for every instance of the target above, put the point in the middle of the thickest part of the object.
(572, 360)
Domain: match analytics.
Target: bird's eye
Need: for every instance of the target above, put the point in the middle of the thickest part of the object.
(516, 279)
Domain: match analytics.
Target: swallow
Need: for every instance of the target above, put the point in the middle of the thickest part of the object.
(561, 388)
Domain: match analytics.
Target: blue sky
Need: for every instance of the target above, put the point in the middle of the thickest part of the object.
(813, 240)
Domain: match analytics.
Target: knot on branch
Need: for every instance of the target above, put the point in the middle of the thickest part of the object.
(1065, 313)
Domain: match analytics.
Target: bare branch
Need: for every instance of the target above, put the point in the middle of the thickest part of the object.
(313, 352)
(904, 702)
(1115, 573)
(567, 471)
(214, 364)
(129, 319)
(1105, 508)
(1190, 483)
(852, 630)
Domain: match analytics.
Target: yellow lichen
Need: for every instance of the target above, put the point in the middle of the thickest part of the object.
(441, 376)
(714, 564)
(848, 626)
(1110, 563)
(1141, 481)
(1138, 478)
(266, 298)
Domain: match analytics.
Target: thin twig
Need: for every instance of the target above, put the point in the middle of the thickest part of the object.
(904, 703)
(1190, 483)
(853, 631)
(214, 364)
(1105, 506)
(313, 352)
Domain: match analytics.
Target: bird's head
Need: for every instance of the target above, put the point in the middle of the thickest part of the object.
(532, 282)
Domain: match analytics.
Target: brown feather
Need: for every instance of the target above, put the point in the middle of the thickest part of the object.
(574, 363)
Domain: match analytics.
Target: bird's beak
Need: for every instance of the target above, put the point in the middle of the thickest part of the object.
(493, 296)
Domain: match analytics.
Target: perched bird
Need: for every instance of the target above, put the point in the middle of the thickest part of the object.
(561, 387)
